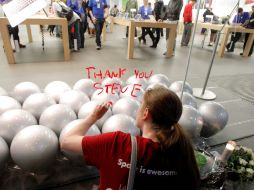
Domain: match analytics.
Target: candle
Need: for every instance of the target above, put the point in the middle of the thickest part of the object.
(230, 147)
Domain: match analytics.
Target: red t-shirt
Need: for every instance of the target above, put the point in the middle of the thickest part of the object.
(187, 14)
(111, 153)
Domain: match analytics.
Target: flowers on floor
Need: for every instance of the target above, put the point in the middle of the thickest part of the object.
(241, 163)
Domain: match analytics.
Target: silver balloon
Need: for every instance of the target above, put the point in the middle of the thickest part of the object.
(191, 121)
(121, 122)
(56, 117)
(8, 103)
(159, 78)
(3, 92)
(34, 148)
(73, 98)
(132, 91)
(4, 153)
(126, 106)
(13, 121)
(187, 99)
(37, 103)
(56, 88)
(88, 107)
(215, 118)
(156, 85)
(93, 130)
(104, 96)
(134, 80)
(24, 89)
(86, 86)
(177, 87)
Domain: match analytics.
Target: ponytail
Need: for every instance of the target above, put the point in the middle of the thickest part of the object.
(175, 138)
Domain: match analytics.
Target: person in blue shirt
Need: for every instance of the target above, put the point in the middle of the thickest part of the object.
(98, 11)
(240, 18)
(145, 11)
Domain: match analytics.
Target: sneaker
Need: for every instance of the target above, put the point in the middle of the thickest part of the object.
(210, 44)
(98, 47)
(241, 54)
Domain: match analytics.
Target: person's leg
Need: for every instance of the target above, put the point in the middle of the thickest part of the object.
(98, 29)
(82, 34)
(98, 32)
(188, 35)
(142, 37)
(235, 39)
(150, 33)
(158, 34)
(101, 25)
(183, 41)
(15, 33)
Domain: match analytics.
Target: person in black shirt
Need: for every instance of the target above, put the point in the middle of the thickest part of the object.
(250, 25)
(158, 6)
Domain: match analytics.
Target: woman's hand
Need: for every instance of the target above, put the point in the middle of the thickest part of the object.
(100, 110)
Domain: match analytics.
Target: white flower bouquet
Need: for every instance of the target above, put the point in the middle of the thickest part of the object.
(241, 163)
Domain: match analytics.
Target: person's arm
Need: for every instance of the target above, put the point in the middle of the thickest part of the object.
(72, 141)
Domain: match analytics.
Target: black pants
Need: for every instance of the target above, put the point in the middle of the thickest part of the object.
(245, 42)
(98, 29)
(158, 34)
(14, 31)
(83, 27)
(146, 31)
(127, 32)
(234, 38)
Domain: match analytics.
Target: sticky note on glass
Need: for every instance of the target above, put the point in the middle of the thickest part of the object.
(19, 10)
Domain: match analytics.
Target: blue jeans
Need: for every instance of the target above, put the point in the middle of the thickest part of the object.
(98, 29)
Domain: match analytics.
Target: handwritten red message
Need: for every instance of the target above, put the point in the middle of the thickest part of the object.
(113, 88)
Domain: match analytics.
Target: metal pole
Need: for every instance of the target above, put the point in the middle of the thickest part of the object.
(203, 93)
(211, 63)
(192, 41)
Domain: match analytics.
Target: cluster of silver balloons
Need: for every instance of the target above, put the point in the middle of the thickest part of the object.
(34, 121)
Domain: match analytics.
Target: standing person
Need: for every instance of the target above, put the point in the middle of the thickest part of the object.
(172, 14)
(187, 17)
(131, 5)
(145, 11)
(240, 19)
(98, 11)
(158, 6)
(251, 26)
(165, 156)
